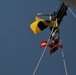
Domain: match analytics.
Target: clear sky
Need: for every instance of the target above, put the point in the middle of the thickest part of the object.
(19, 46)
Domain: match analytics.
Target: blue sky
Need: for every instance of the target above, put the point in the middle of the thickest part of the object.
(19, 46)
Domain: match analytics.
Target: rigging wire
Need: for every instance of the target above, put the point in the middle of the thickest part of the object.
(62, 52)
(64, 62)
(71, 11)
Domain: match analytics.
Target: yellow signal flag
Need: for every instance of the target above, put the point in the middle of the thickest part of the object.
(40, 24)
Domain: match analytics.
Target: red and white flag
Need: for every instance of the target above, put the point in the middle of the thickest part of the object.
(55, 48)
(43, 44)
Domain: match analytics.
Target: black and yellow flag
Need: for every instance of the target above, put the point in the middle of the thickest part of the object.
(40, 24)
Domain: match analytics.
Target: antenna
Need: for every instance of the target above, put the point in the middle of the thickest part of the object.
(42, 14)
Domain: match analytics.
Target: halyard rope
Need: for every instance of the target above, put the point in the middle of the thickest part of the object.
(43, 51)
